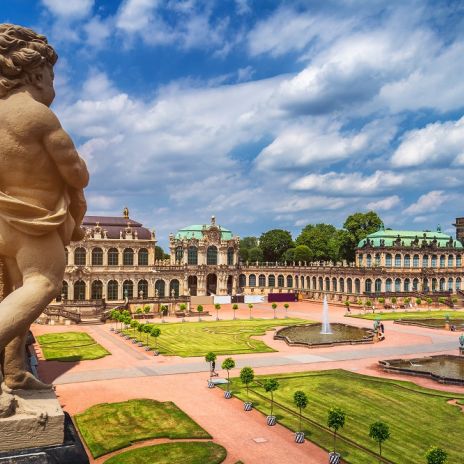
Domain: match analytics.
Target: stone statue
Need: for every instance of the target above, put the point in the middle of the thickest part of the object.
(42, 201)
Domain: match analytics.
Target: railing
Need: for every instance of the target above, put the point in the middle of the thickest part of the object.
(57, 311)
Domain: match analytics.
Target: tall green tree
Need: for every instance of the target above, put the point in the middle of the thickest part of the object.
(246, 244)
(159, 252)
(255, 254)
(335, 421)
(357, 227)
(323, 241)
(301, 401)
(436, 455)
(380, 432)
(302, 253)
(270, 386)
(275, 243)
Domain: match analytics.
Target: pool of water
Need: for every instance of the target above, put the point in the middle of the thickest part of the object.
(433, 323)
(310, 334)
(443, 368)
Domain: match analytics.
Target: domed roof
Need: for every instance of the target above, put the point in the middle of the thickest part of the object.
(196, 231)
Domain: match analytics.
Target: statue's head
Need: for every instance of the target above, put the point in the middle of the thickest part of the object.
(26, 59)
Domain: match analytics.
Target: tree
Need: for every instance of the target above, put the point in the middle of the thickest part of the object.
(301, 401)
(234, 308)
(322, 240)
(140, 331)
(199, 310)
(289, 255)
(250, 307)
(246, 244)
(380, 432)
(155, 333)
(247, 375)
(274, 307)
(228, 364)
(146, 309)
(159, 252)
(217, 307)
(436, 455)
(302, 253)
(275, 243)
(210, 358)
(335, 421)
(358, 226)
(270, 386)
(255, 254)
(134, 324)
(147, 330)
(286, 306)
(182, 307)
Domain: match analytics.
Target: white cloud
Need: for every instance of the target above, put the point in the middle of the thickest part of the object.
(428, 202)
(308, 203)
(435, 143)
(384, 204)
(98, 31)
(69, 9)
(135, 15)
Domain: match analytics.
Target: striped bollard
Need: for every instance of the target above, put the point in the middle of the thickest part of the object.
(140, 344)
(155, 353)
(247, 405)
(210, 384)
(334, 458)
(134, 341)
(227, 395)
(299, 437)
(271, 420)
(147, 348)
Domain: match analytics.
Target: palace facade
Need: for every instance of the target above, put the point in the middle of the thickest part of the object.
(116, 259)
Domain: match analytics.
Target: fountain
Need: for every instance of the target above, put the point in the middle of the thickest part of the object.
(326, 330)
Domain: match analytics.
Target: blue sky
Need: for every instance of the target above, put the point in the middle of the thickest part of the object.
(264, 113)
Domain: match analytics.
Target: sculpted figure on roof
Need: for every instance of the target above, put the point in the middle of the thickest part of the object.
(42, 202)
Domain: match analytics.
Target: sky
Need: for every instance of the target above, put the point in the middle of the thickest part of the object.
(266, 114)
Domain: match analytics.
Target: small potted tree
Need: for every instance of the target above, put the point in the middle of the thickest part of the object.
(301, 401)
(199, 310)
(286, 306)
(211, 358)
(164, 312)
(250, 307)
(454, 301)
(247, 376)
(429, 302)
(369, 305)
(347, 306)
(140, 331)
(274, 307)
(406, 301)
(146, 310)
(134, 324)
(436, 455)
(147, 330)
(418, 302)
(126, 320)
(217, 307)
(155, 333)
(234, 309)
(270, 386)
(335, 421)
(379, 432)
(394, 300)
(182, 309)
(441, 301)
(228, 364)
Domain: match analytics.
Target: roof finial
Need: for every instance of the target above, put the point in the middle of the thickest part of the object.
(125, 212)
(382, 226)
(213, 220)
(439, 228)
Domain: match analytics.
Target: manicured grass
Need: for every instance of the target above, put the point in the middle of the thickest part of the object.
(418, 417)
(393, 316)
(111, 426)
(70, 346)
(168, 453)
(222, 337)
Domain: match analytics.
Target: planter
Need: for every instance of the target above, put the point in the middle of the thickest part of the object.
(147, 348)
(211, 384)
(334, 458)
(227, 395)
(247, 405)
(299, 437)
(140, 344)
(271, 420)
(134, 340)
(155, 353)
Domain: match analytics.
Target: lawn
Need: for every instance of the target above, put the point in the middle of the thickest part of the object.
(393, 316)
(222, 337)
(418, 418)
(168, 453)
(111, 426)
(70, 346)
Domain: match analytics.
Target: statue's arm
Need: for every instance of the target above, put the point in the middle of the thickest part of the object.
(61, 149)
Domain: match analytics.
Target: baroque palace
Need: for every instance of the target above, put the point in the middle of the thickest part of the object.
(116, 260)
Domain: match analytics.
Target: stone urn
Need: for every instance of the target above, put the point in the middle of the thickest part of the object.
(271, 420)
(334, 458)
(210, 383)
(299, 437)
(247, 405)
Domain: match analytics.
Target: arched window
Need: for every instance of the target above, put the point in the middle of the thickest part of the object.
(450, 284)
(458, 283)
(79, 290)
(160, 288)
(321, 284)
(415, 261)
(388, 285)
(143, 257)
(142, 289)
(252, 280)
(458, 261)
(179, 254)
(378, 285)
(112, 290)
(334, 284)
(230, 256)
(388, 260)
(442, 284)
(407, 261)
(79, 257)
(360, 259)
(397, 260)
(425, 261)
(450, 261)
(377, 259)
(280, 280)
(113, 258)
(327, 284)
(128, 289)
(302, 280)
(415, 285)
(174, 288)
(442, 260)
(425, 285)
(342, 285)
(357, 286)
(398, 285)
(368, 286)
(407, 285)
(64, 290)
(97, 290)
(289, 281)
(433, 261)
(296, 281)
(349, 285)
(128, 257)
(434, 285)
(369, 260)
(212, 255)
(192, 255)
(242, 280)
(262, 280)
(308, 282)
(97, 257)
(66, 256)
(271, 280)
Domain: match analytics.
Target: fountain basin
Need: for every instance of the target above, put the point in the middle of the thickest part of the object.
(443, 368)
(309, 335)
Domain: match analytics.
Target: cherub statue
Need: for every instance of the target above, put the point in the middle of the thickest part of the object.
(42, 201)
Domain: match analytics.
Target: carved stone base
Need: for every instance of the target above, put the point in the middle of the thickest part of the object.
(38, 421)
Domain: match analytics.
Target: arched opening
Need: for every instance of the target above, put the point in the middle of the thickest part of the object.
(66, 256)
(230, 256)
(314, 287)
(425, 285)
(425, 261)
(388, 260)
(397, 284)
(174, 288)
(442, 260)
(280, 281)
(321, 284)
(342, 284)
(160, 288)
(450, 261)
(327, 284)
(407, 285)
(415, 261)
(377, 259)
(378, 285)
(97, 257)
(113, 257)
(415, 285)
(458, 283)
(442, 284)
(179, 254)
(143, 257)
(79, 257)
(262, 280)
(388, 285)
(271, 281)
(368, 286)
(128, 257)
(64, 290)
(112, 290)
(192, 285)
(334, 284)
(397, 260)
(211, 284)
(128, 289)
(79, 290)
(349, 285)
(192, 255)
(212, 255)
(434, 285)
(407, 261)
(242, 281)
(290, 281)
(142, 289)
(252, 280)
(357, 286)
(368, 260)
(97, 290)
(433, 261)
(230, 284)
(450, 284)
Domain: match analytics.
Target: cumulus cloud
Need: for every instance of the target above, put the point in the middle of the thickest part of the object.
(384, 204)
(436, 143)
(67, 9)
(428, 202)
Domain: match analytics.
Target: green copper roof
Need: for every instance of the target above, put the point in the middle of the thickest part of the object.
(195, 231)
(410, 238)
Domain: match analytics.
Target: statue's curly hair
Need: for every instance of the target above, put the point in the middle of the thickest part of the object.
(22, 51)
